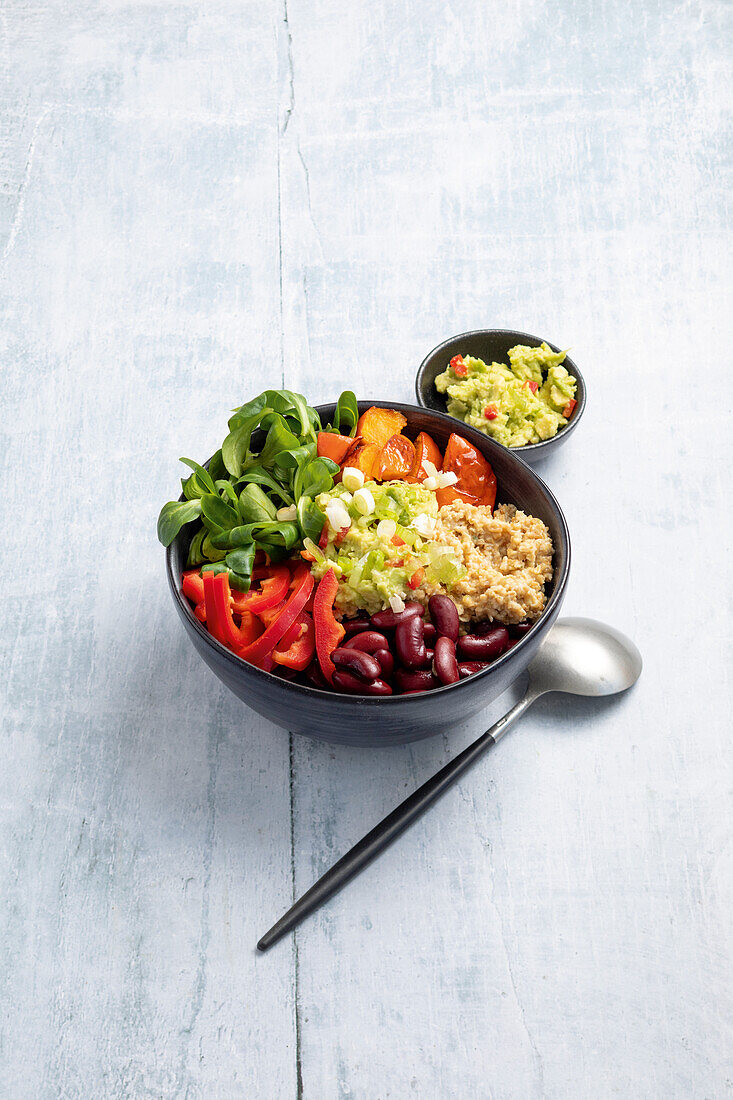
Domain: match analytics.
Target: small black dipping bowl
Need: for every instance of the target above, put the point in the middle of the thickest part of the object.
(492, 345)
(369, 720)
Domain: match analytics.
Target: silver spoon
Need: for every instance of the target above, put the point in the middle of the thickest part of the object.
(579, 656)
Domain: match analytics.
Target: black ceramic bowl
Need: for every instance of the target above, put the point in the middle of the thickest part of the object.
(492, 345)
(365, 720)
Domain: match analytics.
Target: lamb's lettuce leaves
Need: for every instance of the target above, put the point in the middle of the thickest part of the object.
(237, 498)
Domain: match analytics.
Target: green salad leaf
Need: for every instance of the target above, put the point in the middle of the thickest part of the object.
(240, 563)
(202, 476)
(255, 506)
(175, 515)
(315, 477)
(195, 554)
(310, 518)
(219, 514)
(260, 476)
(346, 416)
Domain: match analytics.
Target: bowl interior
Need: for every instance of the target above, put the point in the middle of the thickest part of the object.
(517, 484)
(491, 345)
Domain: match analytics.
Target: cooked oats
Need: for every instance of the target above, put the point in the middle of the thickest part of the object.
(508, 559)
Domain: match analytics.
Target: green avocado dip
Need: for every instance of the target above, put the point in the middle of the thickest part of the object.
(524, 402)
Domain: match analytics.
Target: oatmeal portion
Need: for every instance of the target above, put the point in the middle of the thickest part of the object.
(508, 559)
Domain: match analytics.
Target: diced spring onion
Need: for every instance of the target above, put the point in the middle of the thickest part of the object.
(352, 478)
(364, 501)
(386, 529)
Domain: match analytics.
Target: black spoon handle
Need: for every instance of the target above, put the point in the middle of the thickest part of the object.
(382, 835)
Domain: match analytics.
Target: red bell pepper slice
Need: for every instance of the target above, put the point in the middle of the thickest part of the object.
(270, 592)
(296, 648)
(261, 650)
(334, 446)
(271, 613)
(323, 540)
(219, 620)
(192, 584)
(329, 630)
(250, 627)
(293, 633)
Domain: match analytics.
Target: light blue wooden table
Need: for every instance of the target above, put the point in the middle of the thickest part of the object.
(196, 199)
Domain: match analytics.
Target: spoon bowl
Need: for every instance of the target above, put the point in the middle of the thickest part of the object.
(584, 657)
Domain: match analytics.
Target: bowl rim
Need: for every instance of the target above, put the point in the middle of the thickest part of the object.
(526, 448)
(382, 700)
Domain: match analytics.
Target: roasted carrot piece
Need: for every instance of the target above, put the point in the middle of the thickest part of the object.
(379, 425)
(362, 456)
(396, 459)
(426, 450)
(333, 446)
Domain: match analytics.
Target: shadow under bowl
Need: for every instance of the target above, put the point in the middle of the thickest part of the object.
(492, 346)
(391, 720)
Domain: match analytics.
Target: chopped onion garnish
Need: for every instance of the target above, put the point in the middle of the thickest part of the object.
(364, 502)
(423, 524)
(313, 550)
(352, 478)
(337, 515)
(447, 478)
(287, 515)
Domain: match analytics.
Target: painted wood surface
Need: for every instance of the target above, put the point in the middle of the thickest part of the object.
(196, 199)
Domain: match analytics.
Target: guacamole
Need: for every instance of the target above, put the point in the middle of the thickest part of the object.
(526, 401)
(389, 551)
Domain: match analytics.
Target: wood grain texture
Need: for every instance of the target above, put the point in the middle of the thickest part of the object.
(196, 199)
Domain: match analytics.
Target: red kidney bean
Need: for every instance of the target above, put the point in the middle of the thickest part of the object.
(484, 647)
(344, 681)
(467, 668)
(484, 627)
(410, 641)
(428, 662)
(386, 661)
(388, 619)
(518, 630)
(359, 664)
(369, 641)
(417, 680)
(430, 632)
(444, 614)
(444, 661)
(511, 643)
(355, 626)
(316, 677)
